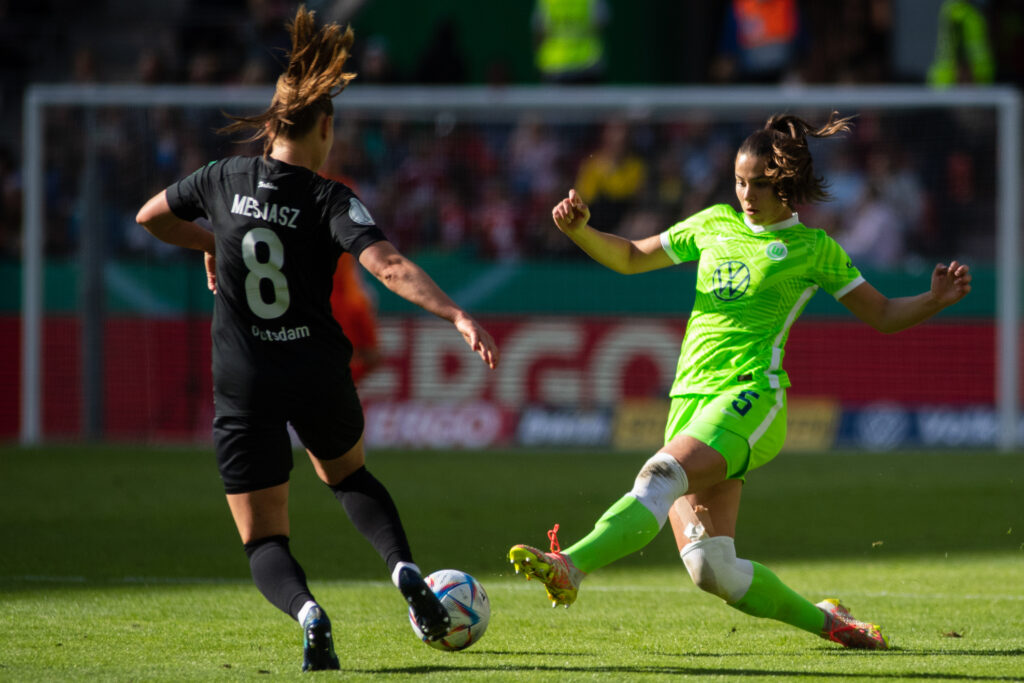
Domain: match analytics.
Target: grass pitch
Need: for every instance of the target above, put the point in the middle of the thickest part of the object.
(121, 563)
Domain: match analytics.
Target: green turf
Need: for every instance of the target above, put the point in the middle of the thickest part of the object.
(121, 563)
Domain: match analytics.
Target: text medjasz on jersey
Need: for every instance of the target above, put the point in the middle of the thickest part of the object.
(272, 213)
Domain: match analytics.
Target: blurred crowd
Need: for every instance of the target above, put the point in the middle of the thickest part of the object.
(905, 187)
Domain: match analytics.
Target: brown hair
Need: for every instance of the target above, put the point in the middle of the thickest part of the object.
(782, 143)
(314, 75)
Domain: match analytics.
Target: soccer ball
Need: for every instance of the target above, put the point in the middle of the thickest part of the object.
(467, 604)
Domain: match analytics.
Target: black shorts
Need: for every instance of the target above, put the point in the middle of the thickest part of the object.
(255, 452)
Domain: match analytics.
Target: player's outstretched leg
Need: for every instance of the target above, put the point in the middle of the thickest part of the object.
(430, 615)
(746, 586)
(626, 527)
(840, 627)
(317, 641)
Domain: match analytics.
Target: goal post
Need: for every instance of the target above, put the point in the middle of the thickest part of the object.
(566, 103)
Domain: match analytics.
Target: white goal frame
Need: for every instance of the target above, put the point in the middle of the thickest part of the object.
(565, 101)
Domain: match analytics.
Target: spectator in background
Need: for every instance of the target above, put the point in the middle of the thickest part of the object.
(375, 64)
(205, 68)
(452, 220)
(410, 193)
(848, 189)
(1007, 32)
(614, 176)
(963, 52)
(496, 218)
(266, 44)
(442, 62)
(152, 68)
(898, 183)
(218, 30)
(762, 41)
(704, 154)
(536, 174)
(874, 236)
(534, 158)
(85, 66)
(848, 42)
(847, 181)
(10, 205)
(568, 42)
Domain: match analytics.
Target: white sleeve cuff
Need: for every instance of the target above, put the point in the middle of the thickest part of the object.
(667, 246)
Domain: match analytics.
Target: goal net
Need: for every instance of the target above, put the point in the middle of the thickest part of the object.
(114, 325)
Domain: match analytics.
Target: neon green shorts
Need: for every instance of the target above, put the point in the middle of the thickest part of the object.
(747, 427)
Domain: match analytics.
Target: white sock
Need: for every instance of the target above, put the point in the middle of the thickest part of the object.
(661, 480)
(305, 610)
(399, 567)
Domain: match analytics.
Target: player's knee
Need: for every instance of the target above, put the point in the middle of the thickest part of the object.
(714, 568)
(661, 480)
(276, 540)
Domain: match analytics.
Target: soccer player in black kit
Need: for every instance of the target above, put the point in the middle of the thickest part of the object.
(279, 356)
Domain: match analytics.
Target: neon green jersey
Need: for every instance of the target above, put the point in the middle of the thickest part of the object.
(752, 284)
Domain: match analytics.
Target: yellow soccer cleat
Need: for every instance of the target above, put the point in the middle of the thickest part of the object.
(555, 570)
(840, 627)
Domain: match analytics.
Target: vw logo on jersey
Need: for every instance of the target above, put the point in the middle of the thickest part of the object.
(776, 251)
(358, 213)
(731, 280)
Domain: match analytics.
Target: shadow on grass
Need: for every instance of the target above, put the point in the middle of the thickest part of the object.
(627, 671)
(681, 670)
(1016, 652)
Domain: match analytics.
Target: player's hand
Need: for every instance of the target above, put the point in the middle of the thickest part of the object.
(571, 213)
(950, 283)
(478, 339)
(210, 261)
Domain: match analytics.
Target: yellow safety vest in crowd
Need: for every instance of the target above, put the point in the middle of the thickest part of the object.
(961, 27)
(572, 40)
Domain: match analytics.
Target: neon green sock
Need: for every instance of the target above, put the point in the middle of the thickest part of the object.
(627, 526)
(769, 598)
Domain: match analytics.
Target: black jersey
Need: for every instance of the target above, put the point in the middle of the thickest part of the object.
(279, 232)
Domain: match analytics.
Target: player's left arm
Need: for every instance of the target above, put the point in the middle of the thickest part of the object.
(949, 284)
(409, 281)
(156, 217)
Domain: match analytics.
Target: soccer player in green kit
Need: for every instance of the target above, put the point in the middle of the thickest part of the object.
(758, 267)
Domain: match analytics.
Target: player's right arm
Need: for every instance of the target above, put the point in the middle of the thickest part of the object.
(571, 215)
(156, 217)
(409, 281)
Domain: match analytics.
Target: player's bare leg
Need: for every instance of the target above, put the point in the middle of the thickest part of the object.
(704, 525)
(261, 513)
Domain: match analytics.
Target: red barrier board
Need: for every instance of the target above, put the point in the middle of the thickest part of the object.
(157, 371)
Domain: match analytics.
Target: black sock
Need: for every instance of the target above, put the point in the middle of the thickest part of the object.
(277, 575)
(368, 504)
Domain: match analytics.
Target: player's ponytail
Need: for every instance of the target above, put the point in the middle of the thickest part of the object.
(782, 143)
(315, 74)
